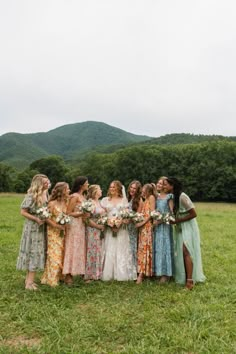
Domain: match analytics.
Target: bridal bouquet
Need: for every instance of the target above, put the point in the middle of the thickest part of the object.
(125, 213)
(156, 215)
(63, 219)
(43, 213)
(102, 220)
(168, 217)
(114, 222)
(137, 217)
(87, 206)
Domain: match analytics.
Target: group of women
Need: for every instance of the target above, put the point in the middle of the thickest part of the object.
(122, 248)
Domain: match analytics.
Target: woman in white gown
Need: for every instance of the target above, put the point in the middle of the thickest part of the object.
(118, 262)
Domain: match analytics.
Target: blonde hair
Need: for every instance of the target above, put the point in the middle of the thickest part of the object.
(36, 188)
(118, 186)
(150, 189)
(92, 190)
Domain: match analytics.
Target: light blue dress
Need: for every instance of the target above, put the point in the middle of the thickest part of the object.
(163, 261)
(187, 233)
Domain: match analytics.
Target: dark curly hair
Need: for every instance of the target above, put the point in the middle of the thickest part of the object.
(177, 190)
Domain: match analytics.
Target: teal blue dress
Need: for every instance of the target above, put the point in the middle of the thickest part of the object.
(187, 233)
(163, 262)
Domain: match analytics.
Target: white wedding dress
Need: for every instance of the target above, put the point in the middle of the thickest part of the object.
(118, 261)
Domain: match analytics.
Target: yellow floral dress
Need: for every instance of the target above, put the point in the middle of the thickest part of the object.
(55, 252)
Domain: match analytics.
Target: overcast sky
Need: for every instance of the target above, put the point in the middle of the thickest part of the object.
(151, 67)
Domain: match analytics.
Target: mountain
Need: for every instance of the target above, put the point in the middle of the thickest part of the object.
(69, 141)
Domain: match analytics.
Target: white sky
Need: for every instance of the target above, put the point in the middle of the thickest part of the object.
(151, 67)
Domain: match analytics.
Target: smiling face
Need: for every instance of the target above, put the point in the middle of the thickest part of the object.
(160, 185)
(113, 190)
(168, 188)
(98, 192)
(132, 190)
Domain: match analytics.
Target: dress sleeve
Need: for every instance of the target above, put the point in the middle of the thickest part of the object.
(104, 202)
(186, 202)
(27, 202)
(170, 196)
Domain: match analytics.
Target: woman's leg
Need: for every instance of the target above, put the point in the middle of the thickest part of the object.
(29, 281)
(188, 268)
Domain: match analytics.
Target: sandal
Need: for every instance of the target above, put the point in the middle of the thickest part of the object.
(189, 284)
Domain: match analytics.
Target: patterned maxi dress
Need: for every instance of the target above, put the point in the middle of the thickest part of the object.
(33, 241)
(55, 252)
(75, 247)
(187, 233)
(133, 238)
(145, 243)
(163, 261)
(118, 260)
(95, 249)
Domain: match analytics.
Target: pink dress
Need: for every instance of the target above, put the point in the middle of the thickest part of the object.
(75, 247)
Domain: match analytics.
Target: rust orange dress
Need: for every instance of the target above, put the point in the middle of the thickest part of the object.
(145, 243)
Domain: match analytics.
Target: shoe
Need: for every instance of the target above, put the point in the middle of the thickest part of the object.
(189, 284)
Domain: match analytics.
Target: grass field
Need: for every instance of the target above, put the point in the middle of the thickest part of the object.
(124, 317)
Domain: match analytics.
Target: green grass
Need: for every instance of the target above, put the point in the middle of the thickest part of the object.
(117, 317)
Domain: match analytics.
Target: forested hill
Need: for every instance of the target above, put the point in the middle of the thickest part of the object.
(72, 141)
(19, 150)
(183, 138)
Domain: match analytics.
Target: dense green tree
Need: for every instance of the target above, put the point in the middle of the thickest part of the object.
(6, 178)
(53, 166)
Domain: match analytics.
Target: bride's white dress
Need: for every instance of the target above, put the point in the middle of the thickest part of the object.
(118, 261)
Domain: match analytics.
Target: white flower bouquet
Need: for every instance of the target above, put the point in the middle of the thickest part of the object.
(168, 217)
(63, 219)
(137, 217)
(87, 206)
(43, 213)
(156, 215)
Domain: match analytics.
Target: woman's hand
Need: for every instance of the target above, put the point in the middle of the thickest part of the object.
(40, 221)
(100, 227)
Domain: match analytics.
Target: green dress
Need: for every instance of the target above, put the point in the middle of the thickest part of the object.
(33, 241)
(187, 233)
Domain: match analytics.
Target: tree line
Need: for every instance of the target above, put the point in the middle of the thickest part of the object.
(207, 170)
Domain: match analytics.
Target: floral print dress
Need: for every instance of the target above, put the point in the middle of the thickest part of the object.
(33, 241)
(145, 243)
(95, 249)
(55, 252)
(75, 247)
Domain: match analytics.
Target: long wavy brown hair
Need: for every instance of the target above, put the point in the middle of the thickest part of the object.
(59, 192)
(137, 196)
